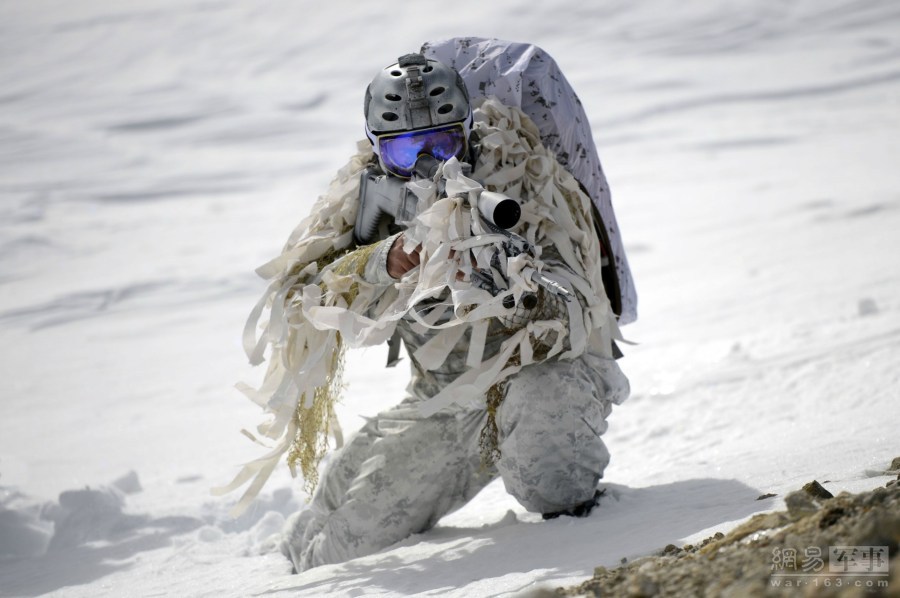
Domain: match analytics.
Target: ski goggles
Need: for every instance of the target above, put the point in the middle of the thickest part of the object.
(399, 151)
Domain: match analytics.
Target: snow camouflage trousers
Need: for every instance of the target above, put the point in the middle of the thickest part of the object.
(402, 472)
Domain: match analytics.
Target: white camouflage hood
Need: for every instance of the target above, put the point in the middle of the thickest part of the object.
(525, 76)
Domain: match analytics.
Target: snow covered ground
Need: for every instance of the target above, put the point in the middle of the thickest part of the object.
(154, 152)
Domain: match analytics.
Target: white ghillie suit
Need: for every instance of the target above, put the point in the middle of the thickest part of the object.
(519, 393)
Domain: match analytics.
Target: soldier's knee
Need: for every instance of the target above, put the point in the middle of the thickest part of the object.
(552, 471)
(549, 426)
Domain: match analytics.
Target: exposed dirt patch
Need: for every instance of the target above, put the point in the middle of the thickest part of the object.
(776, 554)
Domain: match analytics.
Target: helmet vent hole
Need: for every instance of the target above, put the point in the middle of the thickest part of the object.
(445, 109)
(436, 91)
(428, 68)
(392, 97)
(389, 116)
(396, 73)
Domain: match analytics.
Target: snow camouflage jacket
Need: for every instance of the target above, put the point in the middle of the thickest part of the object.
(324, 297)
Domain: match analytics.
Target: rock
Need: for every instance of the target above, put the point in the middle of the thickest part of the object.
(765, 496)
(816, 489)
(670, 549)
(895, 464)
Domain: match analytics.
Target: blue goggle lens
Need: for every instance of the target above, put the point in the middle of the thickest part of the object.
(400, 152)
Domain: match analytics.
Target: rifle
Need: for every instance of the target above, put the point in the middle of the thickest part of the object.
(383, 196)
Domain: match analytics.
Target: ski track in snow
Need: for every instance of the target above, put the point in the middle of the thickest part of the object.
(153, 154)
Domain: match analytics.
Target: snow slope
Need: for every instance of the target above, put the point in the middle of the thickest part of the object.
(153, 153)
